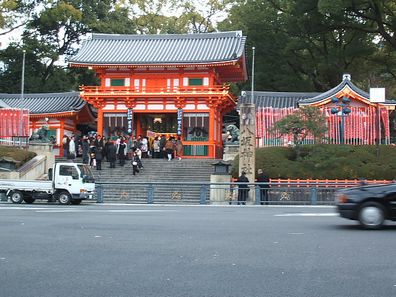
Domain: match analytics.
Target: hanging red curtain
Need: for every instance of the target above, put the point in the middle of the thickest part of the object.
(14, 122)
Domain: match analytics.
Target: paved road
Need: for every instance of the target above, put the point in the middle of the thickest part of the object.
(126, 250)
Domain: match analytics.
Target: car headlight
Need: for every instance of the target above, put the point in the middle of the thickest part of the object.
(341, 198)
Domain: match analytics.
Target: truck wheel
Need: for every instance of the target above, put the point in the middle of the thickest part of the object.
(29, 200)
(64, 198)
(16, 197)
(372, 215)
(76, 201)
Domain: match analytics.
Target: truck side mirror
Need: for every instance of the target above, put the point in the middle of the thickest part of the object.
(50, 174)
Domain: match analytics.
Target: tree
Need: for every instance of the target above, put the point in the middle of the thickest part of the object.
(14, 14)
(176, 16)
(369, 16)
(52, 34)
(307, 120)
(377, 19)
(300, 48)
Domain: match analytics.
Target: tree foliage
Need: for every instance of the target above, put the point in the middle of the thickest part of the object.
(307, 120)
(54, 29)
(14, 14)
(300, 45)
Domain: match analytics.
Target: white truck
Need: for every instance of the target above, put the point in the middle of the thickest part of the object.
(69, 183)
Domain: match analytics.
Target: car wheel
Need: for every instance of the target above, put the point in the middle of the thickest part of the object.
(76, 201)
(29, 200)
(64, 198)
(16, 197)
(372, 215)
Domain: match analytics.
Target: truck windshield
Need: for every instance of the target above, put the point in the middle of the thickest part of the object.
(86, 173)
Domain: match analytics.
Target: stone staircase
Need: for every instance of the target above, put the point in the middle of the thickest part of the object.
(163, 175)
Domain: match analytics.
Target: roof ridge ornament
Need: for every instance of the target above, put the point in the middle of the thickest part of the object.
(346, 76)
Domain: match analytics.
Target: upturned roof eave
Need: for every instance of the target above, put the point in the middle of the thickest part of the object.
(159, 64)
(55, 114)
(326, 96)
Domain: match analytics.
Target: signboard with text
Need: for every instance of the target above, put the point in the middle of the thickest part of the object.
(130, 121)
(179, 122)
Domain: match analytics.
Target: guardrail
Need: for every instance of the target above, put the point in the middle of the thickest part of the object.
(16, 141)
(216, 193)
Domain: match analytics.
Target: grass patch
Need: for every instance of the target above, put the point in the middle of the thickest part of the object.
(12, 153)
(327, 162)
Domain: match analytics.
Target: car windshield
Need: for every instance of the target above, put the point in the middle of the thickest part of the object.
(86, 171)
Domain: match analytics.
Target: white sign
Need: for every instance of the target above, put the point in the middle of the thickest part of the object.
(377, 95)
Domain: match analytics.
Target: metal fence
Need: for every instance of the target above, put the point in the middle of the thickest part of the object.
(214, 193)
(17, 141)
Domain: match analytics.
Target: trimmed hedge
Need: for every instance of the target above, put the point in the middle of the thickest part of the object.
(327, 162)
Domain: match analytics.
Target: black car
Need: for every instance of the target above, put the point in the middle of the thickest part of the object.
(371, 205)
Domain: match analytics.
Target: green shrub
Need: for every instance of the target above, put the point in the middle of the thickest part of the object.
(327, 162)
(20, 155)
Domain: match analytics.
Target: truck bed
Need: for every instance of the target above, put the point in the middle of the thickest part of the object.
(26, 185)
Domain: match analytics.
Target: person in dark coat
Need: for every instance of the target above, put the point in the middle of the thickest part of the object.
(122, 151)
(111, 154)
(135, 163)
(263, 178)
(243, 189)
(162, 146)
(85, 150)
(106, 149)
(99, 158)
(65, 144)
(99, 143)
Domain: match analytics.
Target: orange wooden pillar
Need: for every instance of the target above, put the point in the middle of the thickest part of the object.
(61, 134)
(100, 121)
(212, 149)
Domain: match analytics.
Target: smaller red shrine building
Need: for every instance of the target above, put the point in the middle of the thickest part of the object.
(365, 123)
(60, 112)
(165, 84)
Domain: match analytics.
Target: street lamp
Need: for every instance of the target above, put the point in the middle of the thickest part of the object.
(341, 110)
(22, 91)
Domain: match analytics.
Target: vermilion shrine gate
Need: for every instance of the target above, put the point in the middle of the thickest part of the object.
(165, 84)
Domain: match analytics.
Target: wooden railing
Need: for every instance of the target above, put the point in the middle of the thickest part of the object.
(156, 91)
(175, 90)
(323, 183)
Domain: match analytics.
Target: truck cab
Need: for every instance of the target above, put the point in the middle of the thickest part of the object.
(72, 182)
(69, 183)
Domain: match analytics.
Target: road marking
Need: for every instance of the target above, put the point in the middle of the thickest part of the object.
(306, 215)
(103, 210)
(22, 208)
(71, 210)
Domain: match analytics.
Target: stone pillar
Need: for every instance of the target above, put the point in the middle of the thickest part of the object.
(220, 194)
(247, 144)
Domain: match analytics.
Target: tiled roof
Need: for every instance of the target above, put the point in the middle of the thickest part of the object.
(275, 99)
(3, 104)
(45, 103)
(346, 81)
(168, 49)
(293, 99)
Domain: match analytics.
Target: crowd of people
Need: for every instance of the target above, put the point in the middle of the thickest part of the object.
(95, 149)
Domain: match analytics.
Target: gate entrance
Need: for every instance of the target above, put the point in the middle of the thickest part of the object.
(159, 123)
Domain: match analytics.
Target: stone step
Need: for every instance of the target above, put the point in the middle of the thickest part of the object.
(155, 170)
